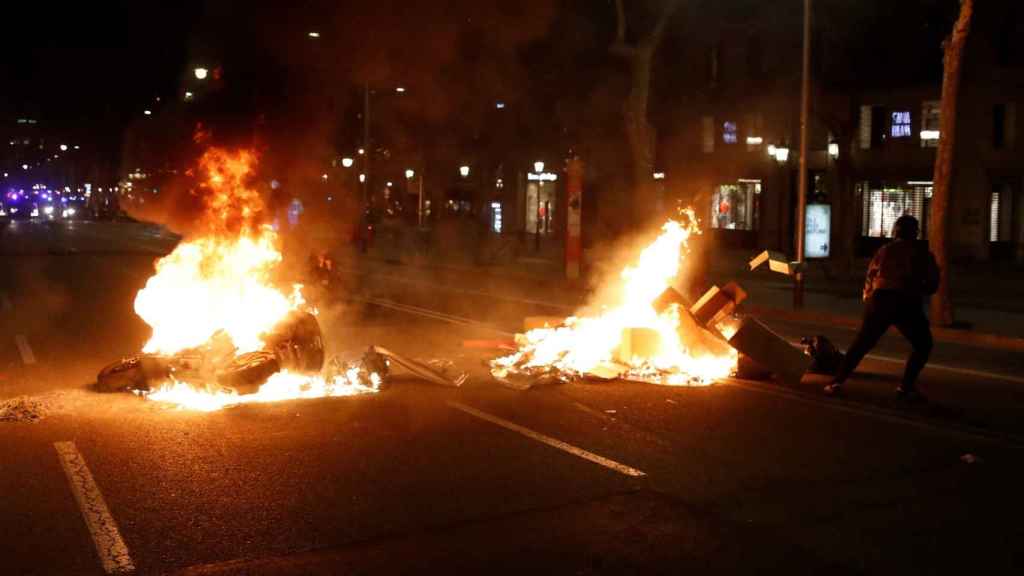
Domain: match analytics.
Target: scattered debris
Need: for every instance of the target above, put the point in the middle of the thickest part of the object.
(22, 409)
(777, 262)
(420, 369)
(770, 350)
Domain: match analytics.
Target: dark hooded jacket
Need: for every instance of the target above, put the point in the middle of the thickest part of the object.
(905, 266)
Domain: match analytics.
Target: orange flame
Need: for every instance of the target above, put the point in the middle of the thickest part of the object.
(584, 344)
(220, 281)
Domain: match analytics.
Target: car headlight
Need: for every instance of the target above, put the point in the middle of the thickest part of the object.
(48, 210)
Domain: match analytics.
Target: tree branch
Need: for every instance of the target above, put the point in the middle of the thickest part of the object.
(652, 39)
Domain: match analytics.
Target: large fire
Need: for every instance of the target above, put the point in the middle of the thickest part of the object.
(219, 282)
(683, 353)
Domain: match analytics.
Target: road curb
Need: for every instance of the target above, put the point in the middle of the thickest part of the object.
(940, 334)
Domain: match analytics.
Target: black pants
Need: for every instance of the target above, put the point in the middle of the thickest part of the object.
(883, 309)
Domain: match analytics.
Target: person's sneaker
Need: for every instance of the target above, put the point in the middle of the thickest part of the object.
(910, 395)
(834, 389)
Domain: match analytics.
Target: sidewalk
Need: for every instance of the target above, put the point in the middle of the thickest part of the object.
(985, 298)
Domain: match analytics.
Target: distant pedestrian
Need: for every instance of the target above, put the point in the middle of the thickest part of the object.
(900, 275)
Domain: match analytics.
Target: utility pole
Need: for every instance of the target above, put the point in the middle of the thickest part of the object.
(801, 201)
(367, 146)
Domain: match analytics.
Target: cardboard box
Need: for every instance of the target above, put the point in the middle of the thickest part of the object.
(771, 351)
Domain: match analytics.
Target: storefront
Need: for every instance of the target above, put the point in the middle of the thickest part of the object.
(736, 205)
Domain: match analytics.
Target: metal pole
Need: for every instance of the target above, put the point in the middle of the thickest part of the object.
(421, 200)
(366, 143)
(801, 202)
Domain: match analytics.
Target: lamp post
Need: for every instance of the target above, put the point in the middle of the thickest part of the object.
(801, 202)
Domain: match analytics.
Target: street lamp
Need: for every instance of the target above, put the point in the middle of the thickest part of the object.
(314, 34)
(464, 171)
(201, 73)
(63, 147)
(400, 89)
(409, 173)
(362, 178)
(347, 162)
(538, 167)
(147, 112)
(781, 154)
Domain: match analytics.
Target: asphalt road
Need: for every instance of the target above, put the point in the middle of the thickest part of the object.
(612, 478)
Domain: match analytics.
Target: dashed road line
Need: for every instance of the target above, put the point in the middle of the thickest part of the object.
(109, 545)
(954, 369)
(27, 356)
(553, 442)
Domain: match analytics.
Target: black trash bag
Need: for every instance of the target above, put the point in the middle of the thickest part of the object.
(825, 357)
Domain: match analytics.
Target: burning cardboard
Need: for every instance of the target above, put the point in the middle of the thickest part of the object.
(777, 262)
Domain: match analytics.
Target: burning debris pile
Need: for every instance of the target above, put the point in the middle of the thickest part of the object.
(651, 333)
(223, 332)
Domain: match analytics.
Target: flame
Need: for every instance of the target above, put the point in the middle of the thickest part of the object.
(281, 386)
(583, 344)
(220, 280)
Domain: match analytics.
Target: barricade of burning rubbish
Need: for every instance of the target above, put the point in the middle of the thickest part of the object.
(652, 333)
(224, 333)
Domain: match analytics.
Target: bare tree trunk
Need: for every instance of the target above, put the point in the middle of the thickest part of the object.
(938, 237)
(641, 136)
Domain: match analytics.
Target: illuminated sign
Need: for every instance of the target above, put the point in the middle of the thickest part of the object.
(900, 127)
(817, 230)
(729, 132)
(542, 177)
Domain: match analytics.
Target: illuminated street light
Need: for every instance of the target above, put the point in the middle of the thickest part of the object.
(147, 112)
(833, 150)
(347, 162)
(538, 167)
(314, 34)
(76, 146)
(362, 177)
(324, 176)
(400, 89)
(201, 73)
(464, 171)
(24, 166)
(63, 147)
(409, 173)
(361, 151)
(659, 175)
(188, 95)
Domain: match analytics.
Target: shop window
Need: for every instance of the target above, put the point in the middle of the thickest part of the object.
(496, 219)
(993, 218)
(540, 205)
(884, 203)
(736, 206)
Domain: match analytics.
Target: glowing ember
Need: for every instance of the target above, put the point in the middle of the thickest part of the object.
(219, 283)
(683, 354)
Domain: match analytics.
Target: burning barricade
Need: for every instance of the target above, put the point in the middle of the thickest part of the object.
(223, 332)
(651, 333)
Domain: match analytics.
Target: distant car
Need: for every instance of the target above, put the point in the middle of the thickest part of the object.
(18, 205)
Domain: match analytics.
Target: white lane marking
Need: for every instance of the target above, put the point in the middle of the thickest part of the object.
(27, 356)
(954, 369)
(554, 443)
(5, 302)
(109, 545)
